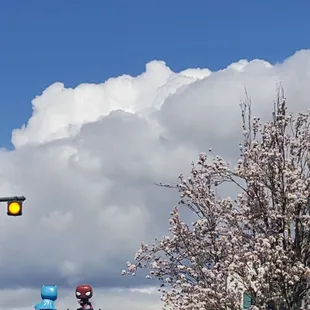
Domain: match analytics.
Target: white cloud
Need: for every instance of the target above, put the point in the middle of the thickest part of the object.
(88, 159)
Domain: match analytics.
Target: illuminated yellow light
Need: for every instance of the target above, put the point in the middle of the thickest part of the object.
(14, 208)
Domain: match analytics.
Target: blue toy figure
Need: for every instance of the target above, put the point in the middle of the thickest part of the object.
(49, 295)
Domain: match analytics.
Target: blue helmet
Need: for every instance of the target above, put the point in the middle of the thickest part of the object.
(49, 292)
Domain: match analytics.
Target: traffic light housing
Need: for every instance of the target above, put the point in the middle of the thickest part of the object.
(15, 208)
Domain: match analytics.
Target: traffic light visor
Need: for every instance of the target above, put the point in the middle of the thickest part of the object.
(14, 208)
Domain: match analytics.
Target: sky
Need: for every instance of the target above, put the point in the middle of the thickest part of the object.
(75, 42)
(101, 100)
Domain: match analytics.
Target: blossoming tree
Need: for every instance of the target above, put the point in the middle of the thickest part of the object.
(257, 242)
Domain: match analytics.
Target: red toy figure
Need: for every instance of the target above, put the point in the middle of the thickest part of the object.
(84, 293)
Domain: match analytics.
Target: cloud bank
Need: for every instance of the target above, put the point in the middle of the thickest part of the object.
(88, 158)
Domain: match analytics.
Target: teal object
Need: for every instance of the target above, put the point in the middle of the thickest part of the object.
(246, 301)
(49, 294)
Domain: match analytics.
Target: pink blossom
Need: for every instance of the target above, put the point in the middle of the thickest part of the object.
(257, 242)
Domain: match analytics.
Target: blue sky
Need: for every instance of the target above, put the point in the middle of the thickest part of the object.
(76, 41)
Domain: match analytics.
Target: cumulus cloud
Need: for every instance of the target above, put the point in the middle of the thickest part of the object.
(89, 157)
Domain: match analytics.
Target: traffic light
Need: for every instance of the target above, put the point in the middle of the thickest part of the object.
(15, 208)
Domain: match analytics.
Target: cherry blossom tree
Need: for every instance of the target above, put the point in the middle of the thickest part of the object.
(257, 242)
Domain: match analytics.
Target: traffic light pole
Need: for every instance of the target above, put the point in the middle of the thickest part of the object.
(15, 198)
(15, 205)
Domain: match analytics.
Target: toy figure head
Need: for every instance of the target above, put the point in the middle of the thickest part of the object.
(49, 292)
(84, 292)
